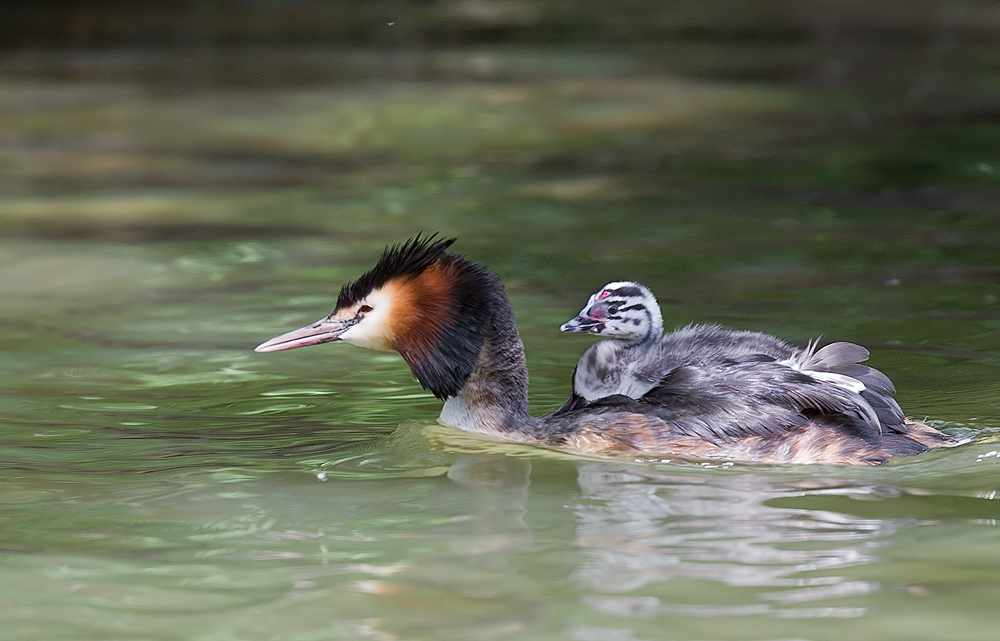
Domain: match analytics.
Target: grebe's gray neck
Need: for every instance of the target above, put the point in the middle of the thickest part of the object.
(494, 399)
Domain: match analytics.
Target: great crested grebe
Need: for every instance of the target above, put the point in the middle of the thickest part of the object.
(450, 320)
(637, 356)
(629, 362)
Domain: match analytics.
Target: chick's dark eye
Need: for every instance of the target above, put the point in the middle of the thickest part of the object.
(364, 309)
(613, 309)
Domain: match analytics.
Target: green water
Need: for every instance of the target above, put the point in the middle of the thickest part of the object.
(160, 481)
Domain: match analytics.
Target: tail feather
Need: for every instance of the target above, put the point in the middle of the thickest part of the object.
(835, 355)
(871, 377)
(843, 358)
(888, 410)
(837, 364)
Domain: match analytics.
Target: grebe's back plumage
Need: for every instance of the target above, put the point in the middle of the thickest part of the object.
(636, 356)
(451, 321)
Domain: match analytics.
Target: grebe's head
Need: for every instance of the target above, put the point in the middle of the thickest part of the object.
(623, 310)
(430, 306)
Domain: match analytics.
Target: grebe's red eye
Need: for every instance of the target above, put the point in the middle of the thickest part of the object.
(364, 309)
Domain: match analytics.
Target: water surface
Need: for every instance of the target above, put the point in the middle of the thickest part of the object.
(159, 480)
(162, 481)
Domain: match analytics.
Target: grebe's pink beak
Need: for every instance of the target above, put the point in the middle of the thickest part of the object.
(323, 331)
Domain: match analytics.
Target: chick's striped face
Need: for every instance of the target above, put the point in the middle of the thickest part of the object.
(623, 310)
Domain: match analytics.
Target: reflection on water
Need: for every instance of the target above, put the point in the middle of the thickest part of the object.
(652, 527)
(655, 546)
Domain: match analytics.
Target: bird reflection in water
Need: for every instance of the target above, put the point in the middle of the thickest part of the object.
(645, 535)
(641, 528)
(650, 542)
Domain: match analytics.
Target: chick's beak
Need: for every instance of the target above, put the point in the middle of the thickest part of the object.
(582, 324)
(323, 331)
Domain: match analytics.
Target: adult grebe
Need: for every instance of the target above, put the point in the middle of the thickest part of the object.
(450, 320)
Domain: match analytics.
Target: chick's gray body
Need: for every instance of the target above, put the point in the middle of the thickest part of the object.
(733, 380)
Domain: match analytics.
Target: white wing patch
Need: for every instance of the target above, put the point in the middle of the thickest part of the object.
(840, 380)
(813, 363)
(810, 361)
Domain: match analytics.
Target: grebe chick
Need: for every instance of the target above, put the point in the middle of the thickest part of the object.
(628, 362)
(637, 355)
(452, 323)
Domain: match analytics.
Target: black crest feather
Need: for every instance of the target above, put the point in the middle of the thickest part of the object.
(409, 258)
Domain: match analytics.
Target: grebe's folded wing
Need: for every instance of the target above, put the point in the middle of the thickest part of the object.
(842, 358)
(837, 363)
(756, 397)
